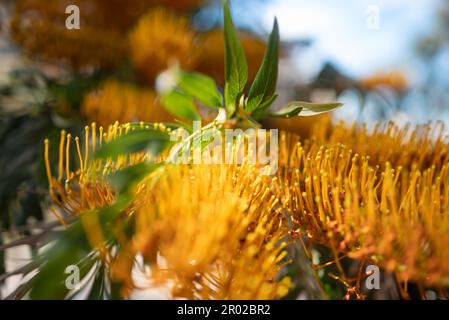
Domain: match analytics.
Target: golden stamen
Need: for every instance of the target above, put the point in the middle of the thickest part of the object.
(47, 163)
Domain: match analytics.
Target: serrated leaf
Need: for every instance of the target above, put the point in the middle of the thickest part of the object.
(236, 67)
(180, 105)
(304, 109)
(264, 86)
(200, 87)
(149, 140)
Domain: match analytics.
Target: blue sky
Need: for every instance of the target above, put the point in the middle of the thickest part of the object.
(340, 33)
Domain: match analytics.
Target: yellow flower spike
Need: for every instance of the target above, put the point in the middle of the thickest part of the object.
(100, 134)
(94, 136)
(36, 27)
(161, 38)
(421, 146)
(80, 190)
(393, 213)
(114, 100)
(80, 157)
(58, 216)
(395, 80)
(86, 146)
(216, 232)
(61, 155)
(67, 158)
(47, 163)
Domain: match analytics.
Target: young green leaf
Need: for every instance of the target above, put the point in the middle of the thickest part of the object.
(236, 67)
(200, 87)
(261, 112)
(264, 86)
(149, 140)
(180, 105)
(304, 109)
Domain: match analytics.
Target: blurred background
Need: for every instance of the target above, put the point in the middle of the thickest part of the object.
(393, 52)
(385, 60)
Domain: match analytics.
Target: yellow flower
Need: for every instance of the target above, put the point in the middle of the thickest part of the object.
(211, 225)
(123, 102)
(211, 54)
(393, 216)
(395, 80)
(421, 146)
(80, 185)
(39, 27)
(159, 39)
(218, 231)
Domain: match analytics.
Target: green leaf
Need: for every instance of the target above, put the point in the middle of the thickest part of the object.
(304, 109)
(180, 105)
(20, 292)
(264, 86)
(149, 140)
(98, 285)
(261, 112)
(236, 67)
(290, 110)
(71, 248)
(123, 180)
(200, 87)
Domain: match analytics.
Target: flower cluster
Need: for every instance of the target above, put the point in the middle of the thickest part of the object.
(226, 221)
(388, 206)
(225, 224)
(39, 27)
(117, 101)
(80, 183)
